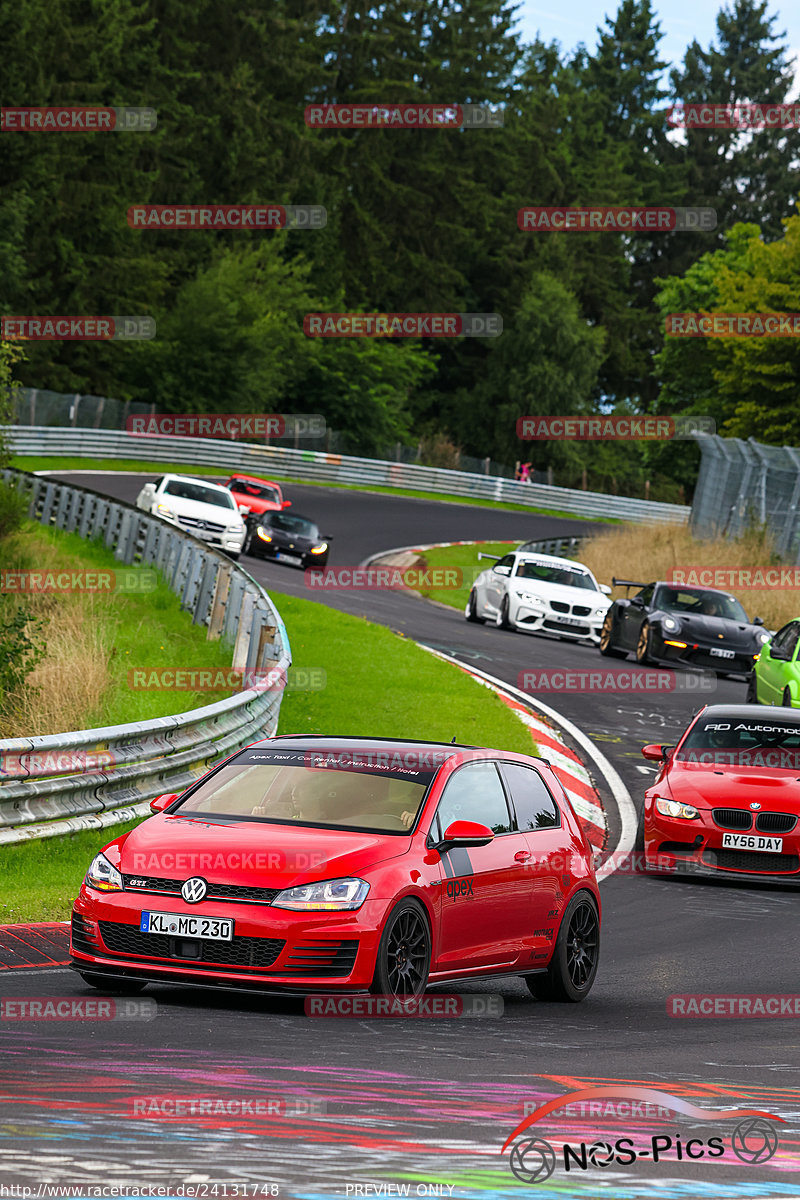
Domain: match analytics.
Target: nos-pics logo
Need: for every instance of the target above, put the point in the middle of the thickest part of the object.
(533, 1159)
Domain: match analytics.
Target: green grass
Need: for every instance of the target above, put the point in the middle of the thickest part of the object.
(32, 463)
(462, 558)
(377, 683)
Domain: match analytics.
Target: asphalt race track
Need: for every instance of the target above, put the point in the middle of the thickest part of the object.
(429, 1103)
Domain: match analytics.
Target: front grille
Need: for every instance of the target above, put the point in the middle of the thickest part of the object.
(562, 627)
(195, 523)
(558, 606)
(322, 958)
(80, 941)
(241, 952)
(216, 891)
(740, 663)
(752, 860)
(731, 818)
(772, 822)
(580, 610)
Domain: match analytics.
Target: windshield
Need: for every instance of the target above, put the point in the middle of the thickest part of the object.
(548, 573)
(258, 490)
(699, 603)
(305, 795)
(750, 742)
(186, 490)
(296, 525)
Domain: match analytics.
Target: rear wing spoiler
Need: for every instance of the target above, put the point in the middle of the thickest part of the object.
(626, 583)
(493, 557)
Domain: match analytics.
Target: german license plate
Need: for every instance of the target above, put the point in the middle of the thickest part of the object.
(568, 620)
(216, 929)
(751, 841)
(290, 558)
(718, 652)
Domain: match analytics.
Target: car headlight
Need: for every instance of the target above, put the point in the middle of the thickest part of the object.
(332, 895)
(671, 624)
(103, 876)
(764, 638)
(534, 601)
(165, 510)
(319, 549)
(672, 808)
(262, 533)
(600, 612)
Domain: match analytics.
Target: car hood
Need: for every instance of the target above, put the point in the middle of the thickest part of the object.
(708, 629)
(733, 787)
(251, 853)
(298, 540)
(557, 591)
(200, 511)
(257, 506)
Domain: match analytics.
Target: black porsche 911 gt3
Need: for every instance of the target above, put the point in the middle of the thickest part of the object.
(288, 538)
(675, 625)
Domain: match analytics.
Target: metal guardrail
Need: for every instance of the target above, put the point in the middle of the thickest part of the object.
(320, 467)
(95, 777)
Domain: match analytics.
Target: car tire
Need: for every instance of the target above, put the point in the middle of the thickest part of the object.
(638, 841)
(752, 690)
(786, 701)
(472, 609)
(114, 987)
(644, 645)
(573, 967)
(502, 620)
(248, 541)
(404, 952)
(234, 556)
(607, 647)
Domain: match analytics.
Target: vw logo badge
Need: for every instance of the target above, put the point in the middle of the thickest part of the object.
(755, 806)
(194, 890)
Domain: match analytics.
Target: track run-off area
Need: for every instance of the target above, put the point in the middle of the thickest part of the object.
(428, 1104)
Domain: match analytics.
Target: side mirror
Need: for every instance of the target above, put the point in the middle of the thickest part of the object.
(326, 537)
(758, 620)
(150, 489)
(244, 508)
(502, 570)
(159, 803)
(654, 753)
(638, 601)
(466, 833)
(286, 504)
(605, 589)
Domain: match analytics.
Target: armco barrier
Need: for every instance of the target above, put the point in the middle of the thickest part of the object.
(95, 777)
(333, 468)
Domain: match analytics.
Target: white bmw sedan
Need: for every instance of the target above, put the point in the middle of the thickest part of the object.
(207, 510)
(537, 593)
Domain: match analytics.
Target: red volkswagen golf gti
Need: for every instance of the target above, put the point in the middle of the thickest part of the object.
(313, 864)
(726, 800)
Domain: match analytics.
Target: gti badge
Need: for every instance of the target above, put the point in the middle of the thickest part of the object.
(755, 806)
(194, 890)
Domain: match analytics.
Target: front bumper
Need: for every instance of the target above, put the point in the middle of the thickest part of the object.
(700, 657)
(536, 620)
(679, 847)
(272, 949)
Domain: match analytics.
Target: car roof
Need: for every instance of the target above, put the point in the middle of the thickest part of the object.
(195, 479)
(550, 559)
(740, 711)
(254, 479)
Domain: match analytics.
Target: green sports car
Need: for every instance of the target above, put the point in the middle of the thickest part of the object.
(776, 678)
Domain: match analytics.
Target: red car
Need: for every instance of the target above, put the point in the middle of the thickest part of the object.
(726, 800)
(261, 495)
(315, 864)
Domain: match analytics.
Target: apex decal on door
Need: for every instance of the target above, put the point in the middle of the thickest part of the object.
(459, 887)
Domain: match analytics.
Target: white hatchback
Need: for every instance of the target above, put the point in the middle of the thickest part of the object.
(538, 593)
(207, 510)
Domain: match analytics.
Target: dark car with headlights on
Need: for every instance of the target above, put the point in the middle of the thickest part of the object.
(318, 864)
(289, 538)
(726, 800)
(676, 625)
